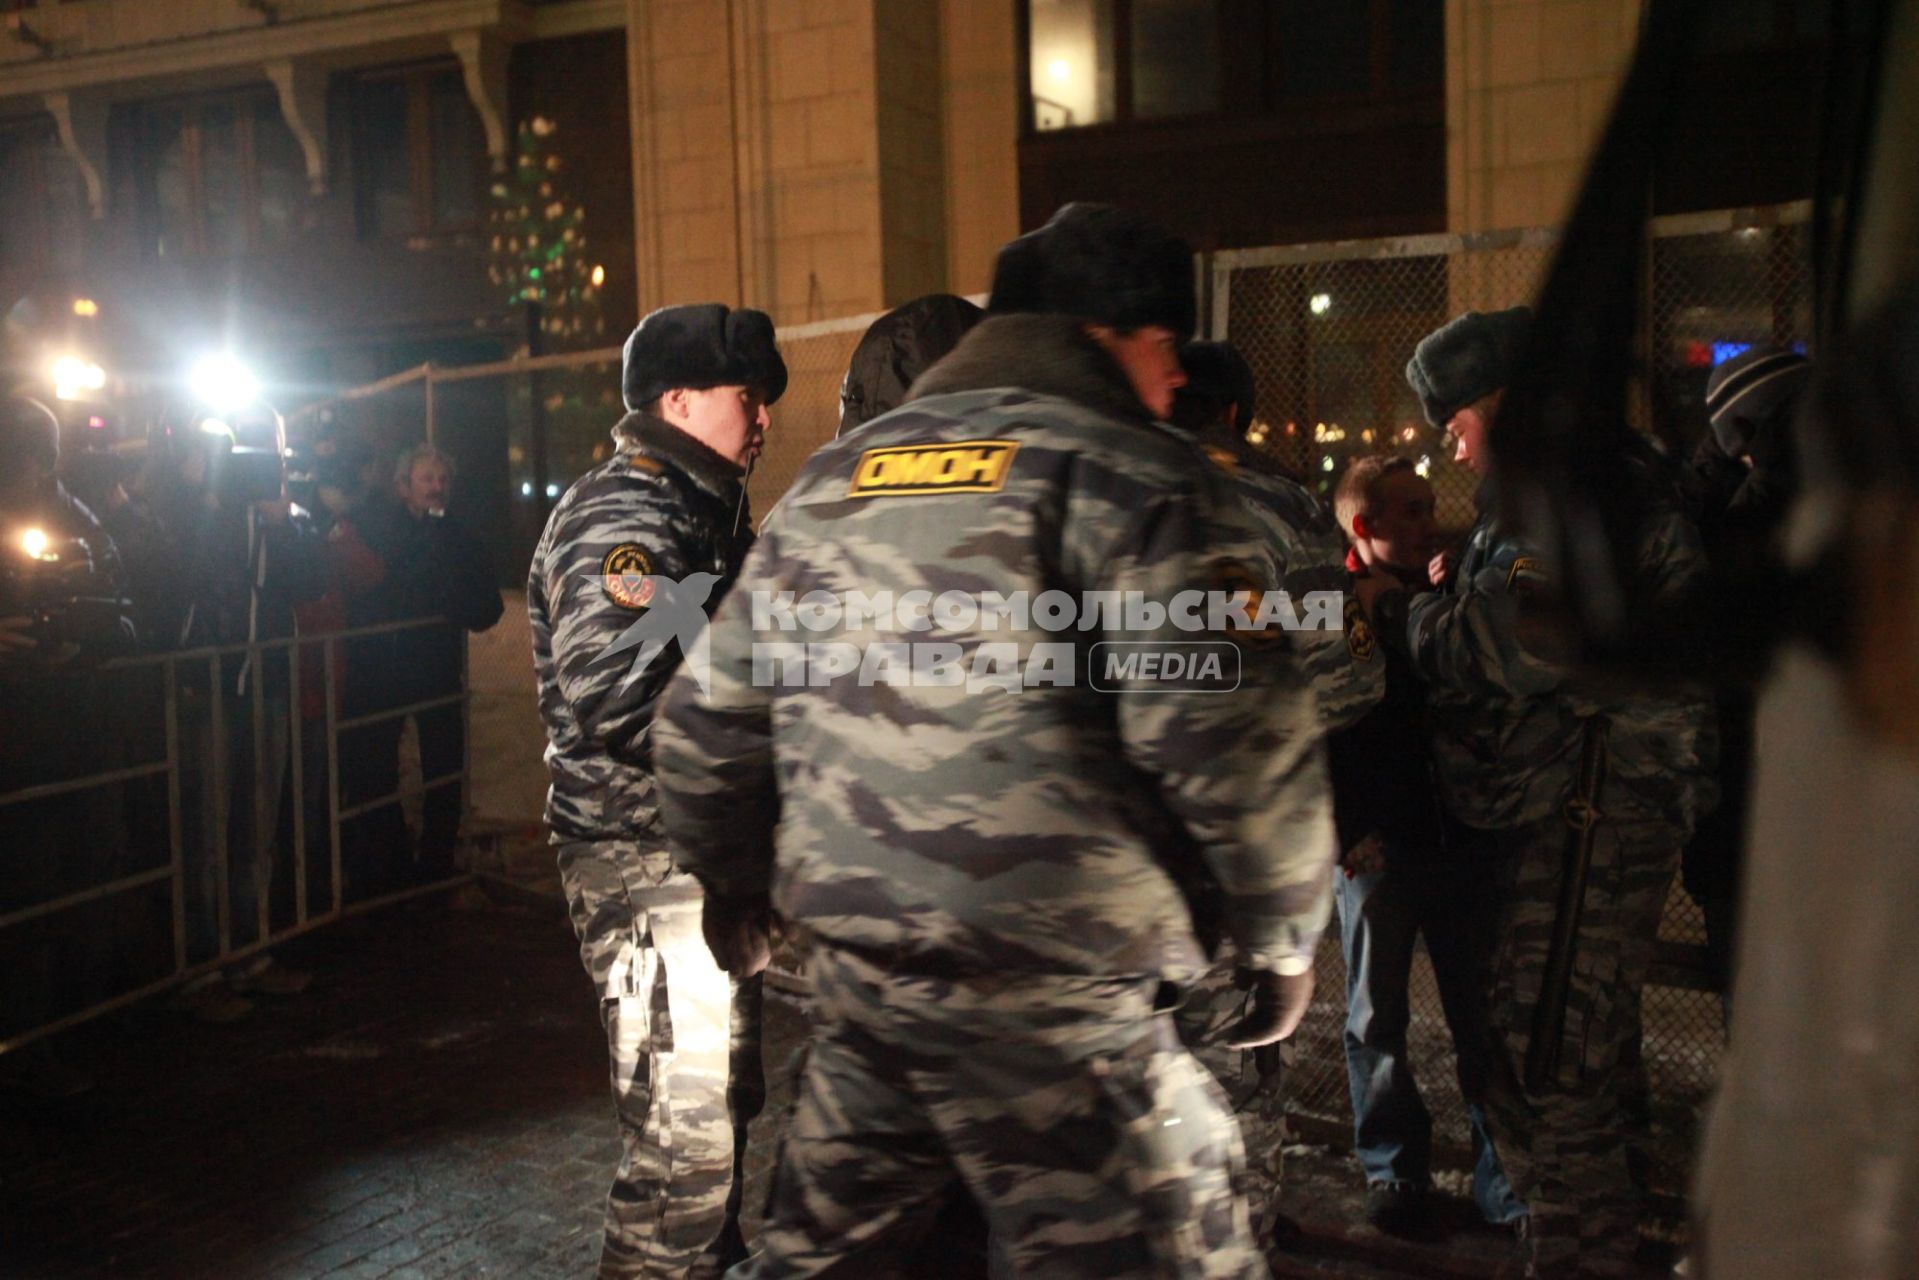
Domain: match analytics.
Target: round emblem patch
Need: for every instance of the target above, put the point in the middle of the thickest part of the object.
(1359, 632)
(1235, 577)
(625, 576)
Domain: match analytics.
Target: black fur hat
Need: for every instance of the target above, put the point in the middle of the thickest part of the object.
(1101, 264)
(897, 348)
(1467, 358)
(700, 346)
(1216, 376)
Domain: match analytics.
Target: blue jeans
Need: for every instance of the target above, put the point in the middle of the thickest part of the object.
(1455, 905)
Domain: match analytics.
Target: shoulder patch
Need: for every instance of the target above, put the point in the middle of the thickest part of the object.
(1359, 632)
(625, 576)
(644, 465)
(963, 466)
(1236, 579)
(1526, 571)
(1222, 457)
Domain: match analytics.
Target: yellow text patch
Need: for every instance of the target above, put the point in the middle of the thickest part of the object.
(965, 466)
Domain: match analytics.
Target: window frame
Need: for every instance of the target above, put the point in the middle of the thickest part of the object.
(421, 147)
(33, 139)
(1267, 98)
(246, 104)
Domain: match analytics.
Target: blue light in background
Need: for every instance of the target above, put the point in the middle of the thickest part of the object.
(1724, 351)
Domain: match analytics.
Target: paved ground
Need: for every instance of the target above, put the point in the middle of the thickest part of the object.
(435, 1107)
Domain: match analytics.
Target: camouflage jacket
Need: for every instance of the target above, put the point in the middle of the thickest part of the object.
(664, 505)
(1342, 663)
(1043, 829)
(1508, 723)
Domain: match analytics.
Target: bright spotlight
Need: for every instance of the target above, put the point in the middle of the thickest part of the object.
(35, 542)
(599, 276)
(223, 384)
(74, 377)
(1060, 69)
(1320, 303)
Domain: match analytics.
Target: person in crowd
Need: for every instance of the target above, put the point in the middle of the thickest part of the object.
(1547, 770)
(433, 568)
(656, 533)
(340, 467)
(63, 608)
(1216, 407)
(63, 593)
(996, 884)
(1404, 872)
(1746, 475)
(243, 557)
(896, 349)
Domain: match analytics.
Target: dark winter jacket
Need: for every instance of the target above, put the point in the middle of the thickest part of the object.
(433, 568)
(1381, 765)
(898, 348)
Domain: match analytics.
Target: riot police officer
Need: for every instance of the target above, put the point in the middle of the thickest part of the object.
(638, 545)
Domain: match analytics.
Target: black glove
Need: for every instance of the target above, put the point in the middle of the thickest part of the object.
(1279, 1002)
(739, 932)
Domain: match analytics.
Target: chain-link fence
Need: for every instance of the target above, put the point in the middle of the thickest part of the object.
(1328, 330)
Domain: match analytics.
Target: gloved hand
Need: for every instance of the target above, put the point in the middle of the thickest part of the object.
(739, 932)
(1279, 1002)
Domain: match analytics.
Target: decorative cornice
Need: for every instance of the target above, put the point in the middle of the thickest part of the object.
(421, 22)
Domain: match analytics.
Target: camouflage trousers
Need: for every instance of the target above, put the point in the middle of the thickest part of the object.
(1094, 1143)
(1566, 1147)
(684, 1042)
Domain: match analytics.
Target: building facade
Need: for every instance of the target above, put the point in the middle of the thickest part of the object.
(319, 181)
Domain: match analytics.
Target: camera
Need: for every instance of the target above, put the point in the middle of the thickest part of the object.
(52, 579)
(246, 454)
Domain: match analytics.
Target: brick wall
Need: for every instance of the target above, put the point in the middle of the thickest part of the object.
(820, 158)
(978, 68)
(1529, 84)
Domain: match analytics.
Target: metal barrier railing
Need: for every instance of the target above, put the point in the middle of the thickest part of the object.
(215, 785)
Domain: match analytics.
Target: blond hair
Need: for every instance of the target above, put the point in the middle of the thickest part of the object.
(1359, 487)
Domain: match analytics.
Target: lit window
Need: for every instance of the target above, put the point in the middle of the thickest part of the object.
(1072, 52)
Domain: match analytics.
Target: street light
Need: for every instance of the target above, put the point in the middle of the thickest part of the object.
(223, 384)
(74, 377)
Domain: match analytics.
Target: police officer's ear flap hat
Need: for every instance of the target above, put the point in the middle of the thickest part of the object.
(1748, 392)
(700, 346)
(1466, 359)
(1101, 264)
(1217, 374)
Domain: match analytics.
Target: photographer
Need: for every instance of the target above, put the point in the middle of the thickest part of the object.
(243, 558)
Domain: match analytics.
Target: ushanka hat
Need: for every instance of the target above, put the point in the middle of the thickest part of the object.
(1466, 359)
(700, 346)
(1101, 264)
